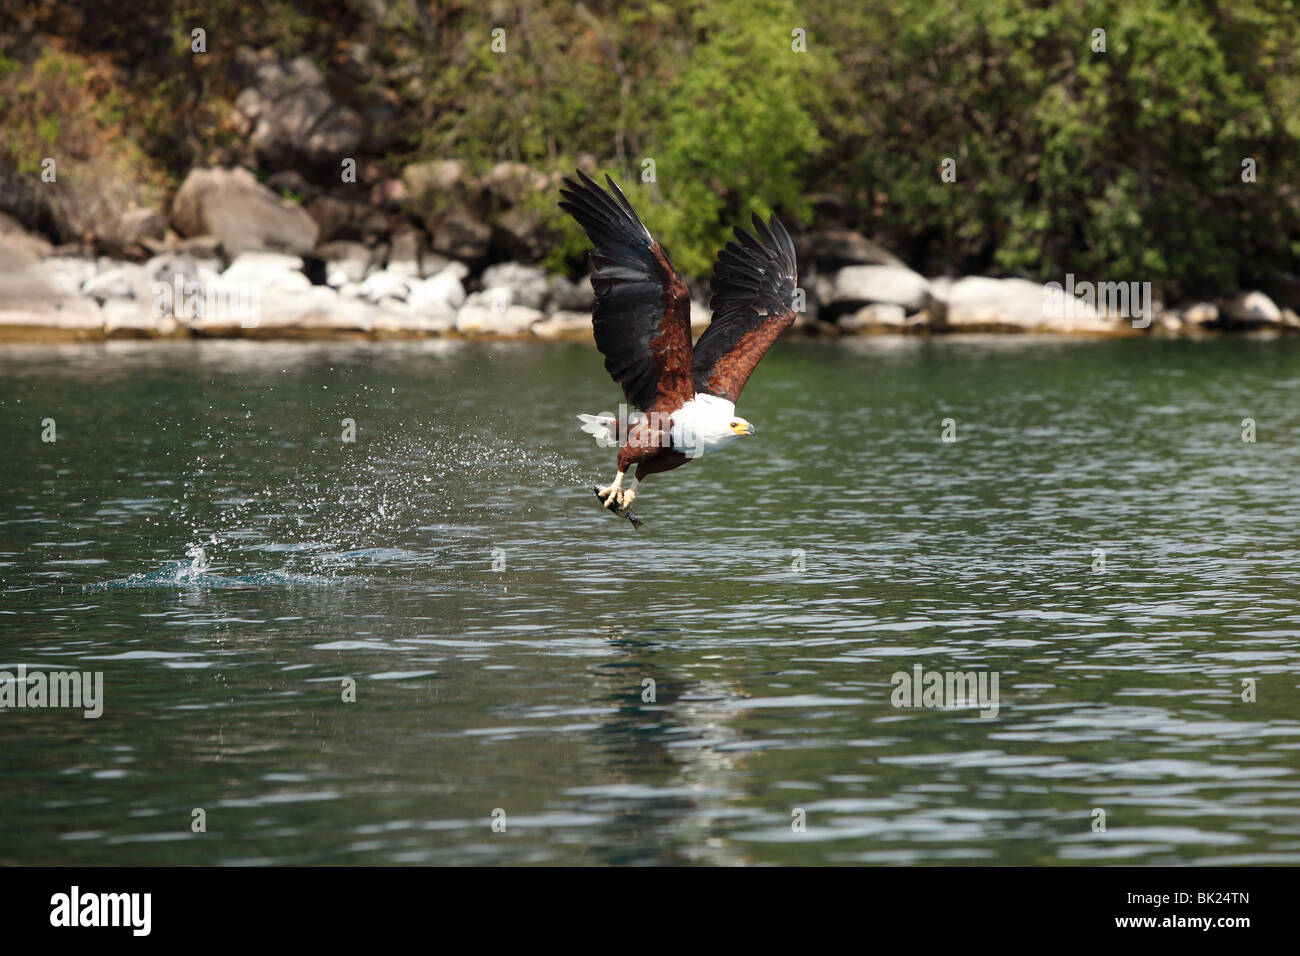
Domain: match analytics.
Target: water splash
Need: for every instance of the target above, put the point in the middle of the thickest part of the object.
(348, 505)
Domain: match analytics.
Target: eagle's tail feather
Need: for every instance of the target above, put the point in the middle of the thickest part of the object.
(603, 428)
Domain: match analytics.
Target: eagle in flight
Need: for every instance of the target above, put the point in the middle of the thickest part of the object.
(684, 397)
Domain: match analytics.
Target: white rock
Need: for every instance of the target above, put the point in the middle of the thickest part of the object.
(936, 297)
(394, 317)
(878, 315)
(442, 291)
(1252, 308)
(343, 271)
(481, 316)
(977, 303)
(67, 274)
(118, 282)
(526, 285)
(564, 323)
(267, 271)
(1201, 313)
(317, 309)
(385, 284)
(894, 284)
(700, 315)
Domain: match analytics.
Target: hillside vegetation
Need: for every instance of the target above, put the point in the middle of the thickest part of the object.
(1131, 162)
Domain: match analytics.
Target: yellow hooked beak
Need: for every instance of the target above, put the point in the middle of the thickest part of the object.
(742, 427)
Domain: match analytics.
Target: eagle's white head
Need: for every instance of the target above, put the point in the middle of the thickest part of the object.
(707, 423)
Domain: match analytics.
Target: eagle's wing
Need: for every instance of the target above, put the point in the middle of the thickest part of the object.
(642, 317)
(753, 303)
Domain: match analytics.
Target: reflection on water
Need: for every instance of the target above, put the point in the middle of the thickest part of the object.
(1098, 535)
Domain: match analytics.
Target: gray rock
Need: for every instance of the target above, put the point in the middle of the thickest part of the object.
(404, 254)
(13, 234)
(340, 217)
(246, 216)
(522, 233)
(26, 281)
(461, 234)
(133, 233)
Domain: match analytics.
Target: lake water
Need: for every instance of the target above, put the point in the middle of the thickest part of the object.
(501, 630)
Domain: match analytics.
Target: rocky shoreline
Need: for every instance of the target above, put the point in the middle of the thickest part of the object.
(341, 291)
(234, 258)
(336, 243)
(347, 289)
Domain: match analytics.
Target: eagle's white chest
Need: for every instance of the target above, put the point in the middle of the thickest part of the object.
(703, 425)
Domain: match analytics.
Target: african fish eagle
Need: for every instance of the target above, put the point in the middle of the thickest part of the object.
(684, 397)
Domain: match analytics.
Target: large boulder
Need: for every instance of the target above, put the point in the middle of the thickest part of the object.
(32, 307)
(12, 233)
(980, 304)
(246, 216)
(855, 286)
(1252, 310)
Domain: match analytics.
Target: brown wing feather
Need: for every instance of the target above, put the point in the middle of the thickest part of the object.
(753, 303)
(642, 317)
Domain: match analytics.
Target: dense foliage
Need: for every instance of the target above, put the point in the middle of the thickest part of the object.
(1123, 163)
